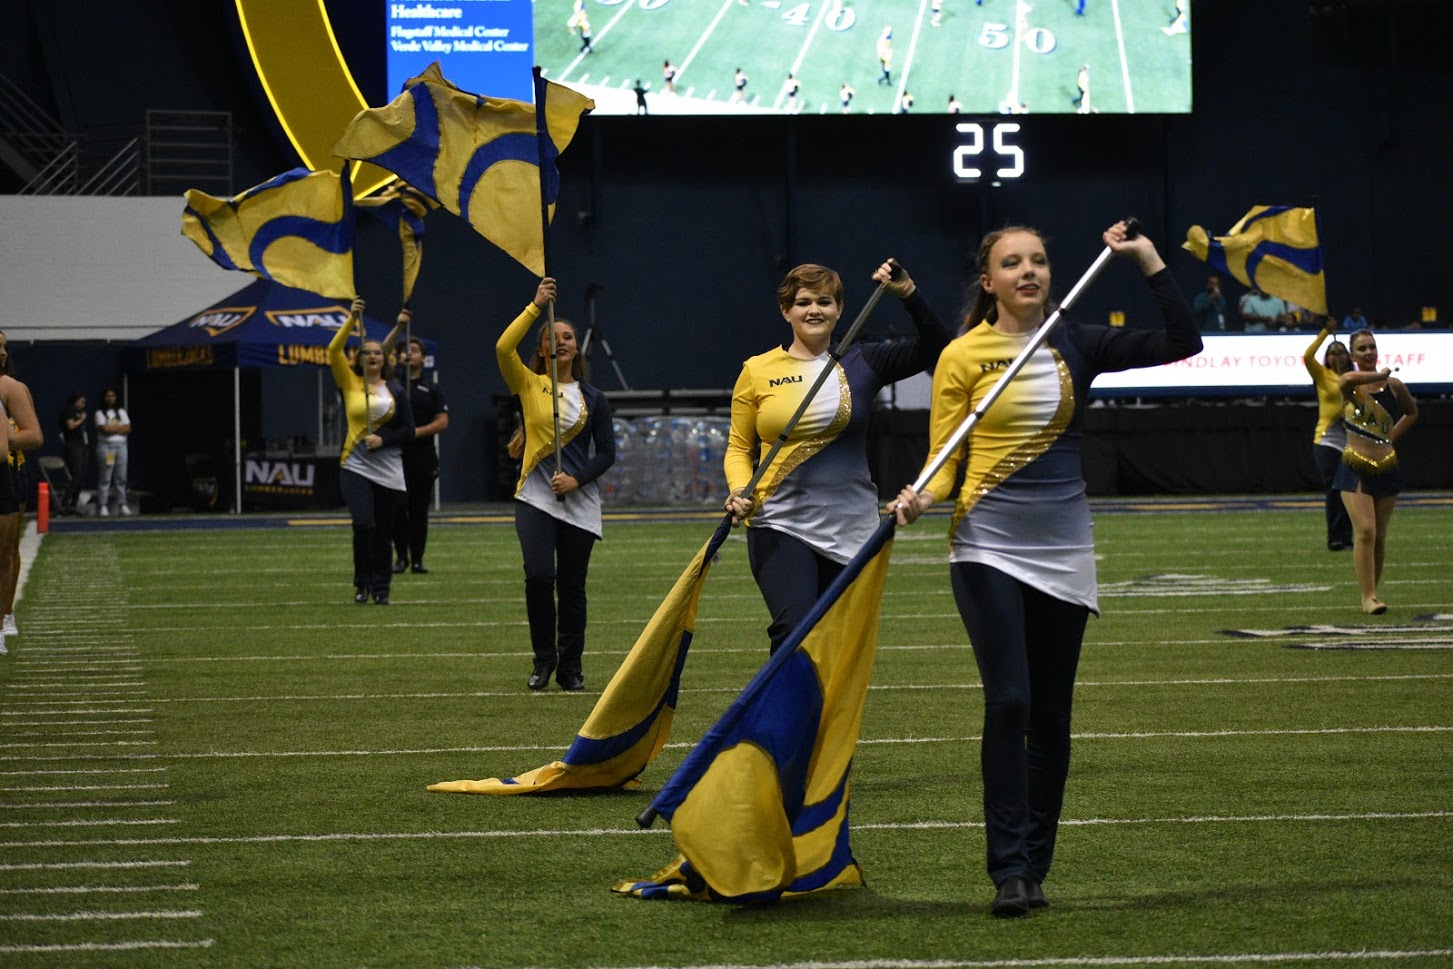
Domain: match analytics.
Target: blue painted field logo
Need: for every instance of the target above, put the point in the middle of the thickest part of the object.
(1168, 584)
(1432, 631)
(279, 473)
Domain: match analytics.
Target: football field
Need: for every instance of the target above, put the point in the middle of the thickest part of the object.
(993, 57)
(211, 757)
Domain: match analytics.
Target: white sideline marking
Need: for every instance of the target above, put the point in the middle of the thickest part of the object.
(110, 946)
(76, 723)
(633, 831)
(98, 916)
(683, 745)
(98, 823)
(99, 889)
(561, 697)
(60, 865)
(85, 787)
(89, 804)
(85, 770)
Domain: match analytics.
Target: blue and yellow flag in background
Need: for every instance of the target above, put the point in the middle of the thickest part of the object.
(632, 719)
(402, 208)
(479, 157)
(296, 229)
(759, 808)
(1273, 248)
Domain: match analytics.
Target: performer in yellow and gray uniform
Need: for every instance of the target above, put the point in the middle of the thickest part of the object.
(1378, 411)
(816, 505)
(557, 512)
(371, 478)
(1021, 549)
(1330, 435)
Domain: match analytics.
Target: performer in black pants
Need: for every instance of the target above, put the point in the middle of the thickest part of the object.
(557, 513)
(421, 463)
(1022, 552)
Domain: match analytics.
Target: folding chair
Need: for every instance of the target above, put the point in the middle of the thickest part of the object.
(57, 476)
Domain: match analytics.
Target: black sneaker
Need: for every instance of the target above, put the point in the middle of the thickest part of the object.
(360, 594)
(399, 566)
(418, 569)
(380, 597)
(571, 682)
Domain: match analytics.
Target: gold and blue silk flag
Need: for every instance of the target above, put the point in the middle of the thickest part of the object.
(632, 719)
(759, 808)
(1273, 248)
(401, 207)
(479, 157)
(296, 229)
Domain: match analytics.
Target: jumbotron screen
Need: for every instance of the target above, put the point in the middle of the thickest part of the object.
(752, 57)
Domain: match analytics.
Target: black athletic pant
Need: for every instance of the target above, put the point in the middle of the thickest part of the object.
(791, 575)
(76, 452)
(411, 527)
(1027, 645)
(373, 508)
(557, 559)
(1339, 523)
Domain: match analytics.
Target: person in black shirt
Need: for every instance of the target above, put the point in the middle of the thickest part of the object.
(421, 460)
(77, 441)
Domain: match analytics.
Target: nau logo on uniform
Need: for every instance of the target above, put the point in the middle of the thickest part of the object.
(221, 319)
(326, 317)
(993, 365)
(785, 380)
(282, 473)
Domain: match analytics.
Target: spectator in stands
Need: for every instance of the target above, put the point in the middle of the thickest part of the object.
(113, 429)
(1329, 439)
(1209, 307)
(76, 440)
(1354, 320)
(1378, 412)
(1261, 313)
(816, 505)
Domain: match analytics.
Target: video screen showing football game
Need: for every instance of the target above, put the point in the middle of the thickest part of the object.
(745, 57)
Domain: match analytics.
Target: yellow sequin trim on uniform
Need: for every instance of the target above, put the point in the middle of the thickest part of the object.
(808, 448)
(1037, 444)
(1373, 466)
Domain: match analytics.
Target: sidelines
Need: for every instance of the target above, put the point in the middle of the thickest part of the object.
(637, 832)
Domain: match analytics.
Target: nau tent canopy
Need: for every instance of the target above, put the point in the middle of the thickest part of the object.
(262, 325)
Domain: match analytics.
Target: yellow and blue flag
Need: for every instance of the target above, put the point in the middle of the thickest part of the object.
(401, 207)
(632, 719)
(296, 229)
(481, 158)
(759, 808)
(1273, 248)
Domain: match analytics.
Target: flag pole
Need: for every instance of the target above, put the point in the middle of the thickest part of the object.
(542, 141)
(836, 354)
(1132, 229)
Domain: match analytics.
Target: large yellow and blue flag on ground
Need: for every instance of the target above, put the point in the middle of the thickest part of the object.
(481, 158)
(296, 229)
(1273, 248)
(759, 808)
(632, 719)
(401, 207)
